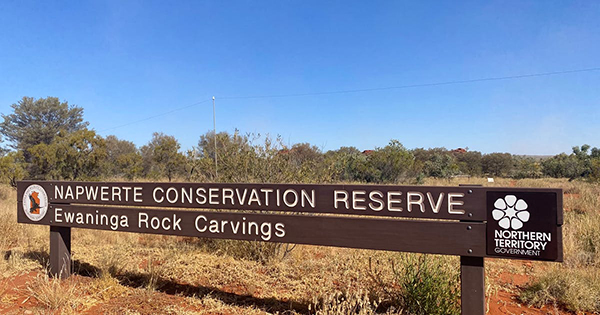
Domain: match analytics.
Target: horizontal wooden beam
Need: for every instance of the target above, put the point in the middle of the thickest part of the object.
(432, 202)
(423, 236)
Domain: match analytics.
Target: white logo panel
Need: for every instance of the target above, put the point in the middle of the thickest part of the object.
(35, 202)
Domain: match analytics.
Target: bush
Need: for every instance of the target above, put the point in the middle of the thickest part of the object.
(595, 170)
(249, 250)
(393, 163)
(421, 285)
(575, 289)
(498, 164)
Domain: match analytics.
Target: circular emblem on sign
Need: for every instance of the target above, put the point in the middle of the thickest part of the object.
(35, 202)
(510, 212)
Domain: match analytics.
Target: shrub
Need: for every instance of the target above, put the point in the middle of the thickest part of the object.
(250, 250)
(55, 294)
(421, 285)
(575, 289)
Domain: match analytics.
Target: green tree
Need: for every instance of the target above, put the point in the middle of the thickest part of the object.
(562, 166)
(236, 142)
(469, 163)
(441, 165)
(436, 162)
(578, 164)
(307, 163)
(584, 158)
(161, 157)
(393, 163)
(527, 167)
(12, 168)
(595, 153)
(347, 164)
(3, 150)
(303, 153)
(595, 169)
(581, 152)
(70, 156)
(235, 157)
(271, 165)
(123, 158)
(498, 164)
(39, 121)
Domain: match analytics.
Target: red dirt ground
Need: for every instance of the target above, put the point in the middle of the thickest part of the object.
(15, 290)
(507, 302)
(504, 302)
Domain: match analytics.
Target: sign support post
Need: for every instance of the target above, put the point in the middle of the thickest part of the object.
(60, 252)
(472, 281)
(472, 285)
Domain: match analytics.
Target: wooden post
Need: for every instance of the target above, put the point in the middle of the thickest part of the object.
(60, 252)
(472, 285)
(472, 282)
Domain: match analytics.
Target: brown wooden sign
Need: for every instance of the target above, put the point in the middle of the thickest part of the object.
(472, 222)
(431, 202)
(518, 223)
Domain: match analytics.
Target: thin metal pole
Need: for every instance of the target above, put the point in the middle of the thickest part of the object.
(215, 131)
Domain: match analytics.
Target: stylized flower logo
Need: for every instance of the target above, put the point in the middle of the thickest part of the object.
(510, 212)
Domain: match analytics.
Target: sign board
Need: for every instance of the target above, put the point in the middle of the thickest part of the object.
(451, 238)
(471, 222)
(452, 203)
(523, 223)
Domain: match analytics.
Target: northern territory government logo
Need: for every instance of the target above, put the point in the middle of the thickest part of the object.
(510, 212)
(35, 202)
(522, 224)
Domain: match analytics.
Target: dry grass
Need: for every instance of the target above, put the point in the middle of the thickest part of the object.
(356, 302)
(576, 289)
(8, 228)
(55, 294)
(106, 288)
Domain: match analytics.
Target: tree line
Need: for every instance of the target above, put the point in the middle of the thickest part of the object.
(49, 139)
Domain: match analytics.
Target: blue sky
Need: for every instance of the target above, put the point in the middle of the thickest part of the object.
(123, 61)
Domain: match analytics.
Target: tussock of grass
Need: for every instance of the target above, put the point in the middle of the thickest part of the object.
(582, 197)
(105, 288)
(250, 250)
(421, 284)
(3, 291)
(583, 239)
(15, 263)
(212, 305)
(357, 303)
(9, 231)
(574, 289)
(55, 294)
